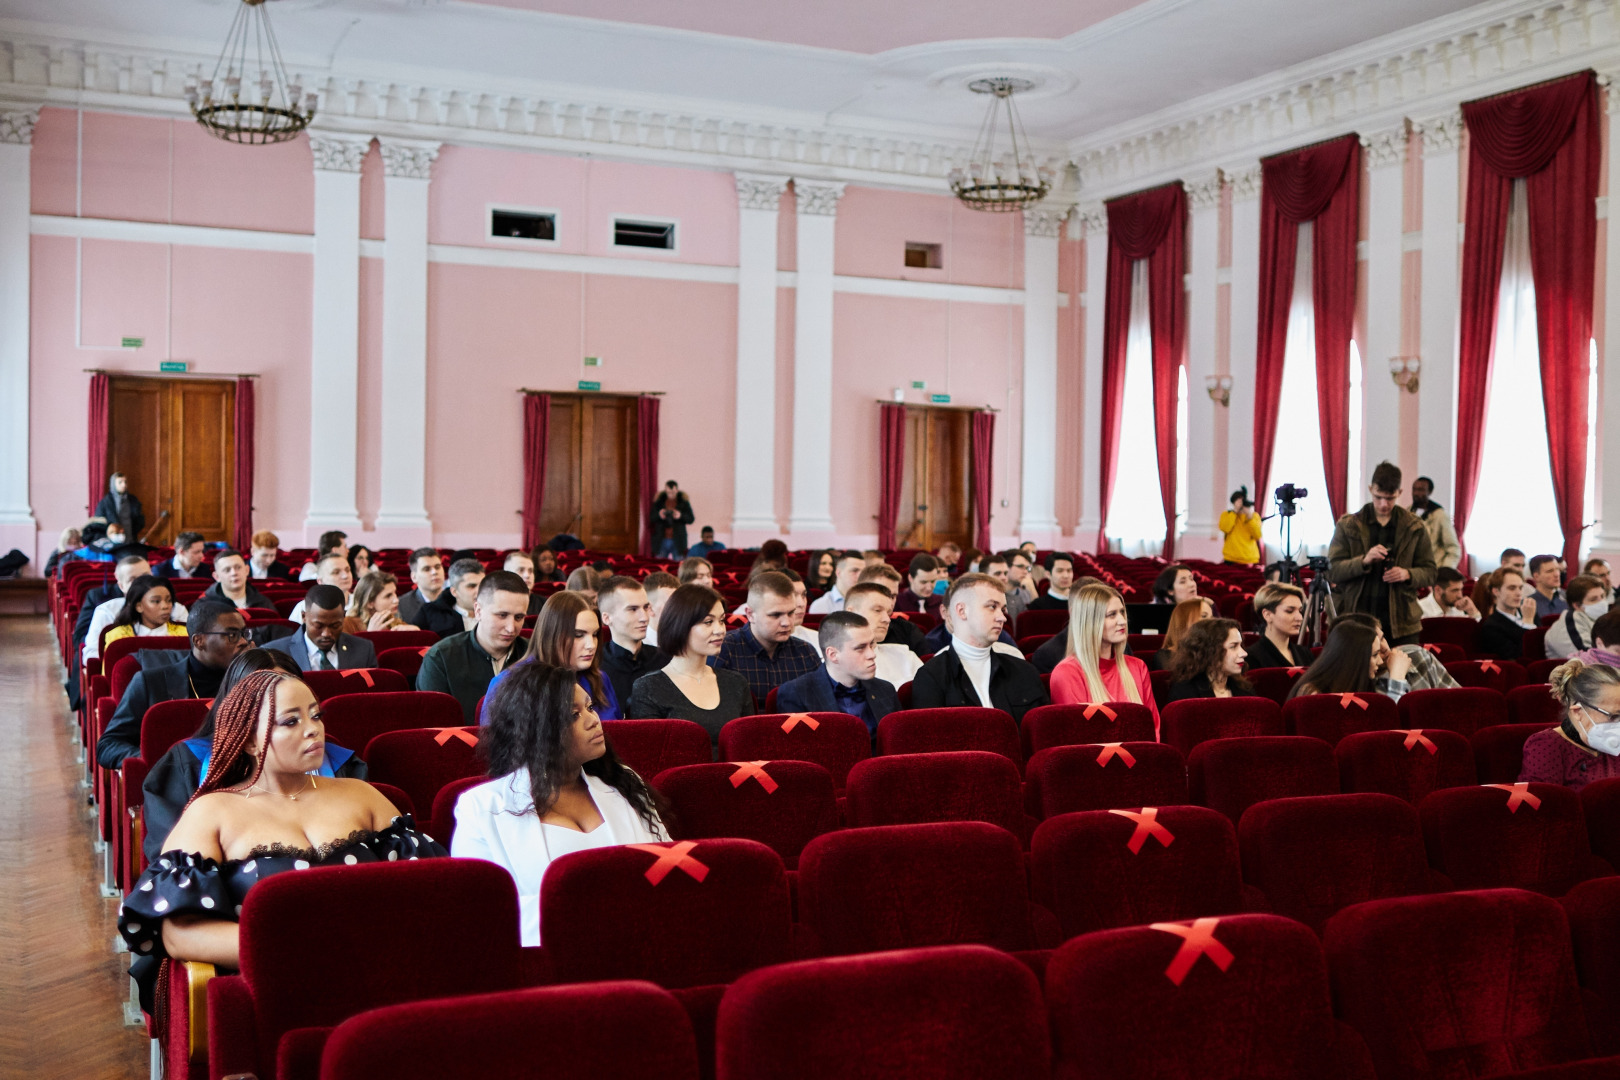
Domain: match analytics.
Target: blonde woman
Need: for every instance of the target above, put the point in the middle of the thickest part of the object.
(375, 605)
(1097, 669)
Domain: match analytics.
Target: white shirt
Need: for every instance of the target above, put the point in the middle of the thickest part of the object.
(307, 572)
(652, 635)
(180, 571)
(468, 621)
(897, 664)
(1430, 607)
(813, 637)
(828, 602)
(315, 654)
(491, 823)
(976, 663)
(1559, 645)
(104, 615)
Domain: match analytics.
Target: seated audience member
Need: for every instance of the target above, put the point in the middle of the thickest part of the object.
(902, 631)
(1060, 575)
(1512, 559)
(938, 639)
(267, 734)
(1037, 572)
(585, 581)
(147, 612)
(100, 542)
(556, 786)
(69, 540)
(1546, 575)
(1052, 651)
(695, 570)
(627, 612)
(1021, 574)
(874, 602)
(190, 552)
(361, 561)
(920, 594)
(1584, 745)
(1280, 607)
(427, 575)
(545, 566)
(1175, 585)
(102, 606)
(971, 672)
(772, 556)
(949, 555)
(1209, 662)
(231, 583)
(1182, 619)
(1605, 639)
(660, 586)
(375, 605)
(999, 566)
(335, 542)
(1098, 669)
(1442, 537)
(218, 633)
(452, 612)
(174, 777)
(323, 646)
(334, 571)
(801, 608)
(822, 569)
(1355, 660)
(848, 681)
(1572, 633)
(706, 543)
(692, 627)
(1241, 527)
(765, 652)
(463, 664)
(1427, 672)
(263, 548)
(846, 572)
(1599, 606)
(1501, 632)
(522, 564)
(565, 636)
(1446, 599)
(872, 557)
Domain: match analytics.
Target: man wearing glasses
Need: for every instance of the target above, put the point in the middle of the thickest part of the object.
(218, 634)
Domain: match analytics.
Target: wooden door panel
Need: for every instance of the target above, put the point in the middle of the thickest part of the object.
(948, 481)
(202, 478)
(609, 467)
(560, 510)
(135, 446)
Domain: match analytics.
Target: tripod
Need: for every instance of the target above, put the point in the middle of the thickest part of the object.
(1319, 607)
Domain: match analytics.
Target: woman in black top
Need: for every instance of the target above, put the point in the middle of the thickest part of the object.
(1281, 611)
(691, 628)
(1209, 663)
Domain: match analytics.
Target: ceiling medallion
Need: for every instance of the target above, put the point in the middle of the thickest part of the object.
(281, 109)
(1001, 175)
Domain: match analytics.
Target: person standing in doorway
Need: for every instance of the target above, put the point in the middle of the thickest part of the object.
(121, 506)
(671, 514)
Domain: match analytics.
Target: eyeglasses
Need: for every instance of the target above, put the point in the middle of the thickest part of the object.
(233, 635)
(1593, 708)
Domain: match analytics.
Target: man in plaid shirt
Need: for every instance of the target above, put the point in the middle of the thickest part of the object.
(765, 652)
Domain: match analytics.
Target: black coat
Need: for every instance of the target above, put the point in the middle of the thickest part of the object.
(1199, 687)
(254, 598)
(108, 508)
(1500, 636)
(1263, 654)
(814, 693)
(1051, 652)
(165, 679)
(92, 600)
(441, 616)
(657, 524)
(1015, 685)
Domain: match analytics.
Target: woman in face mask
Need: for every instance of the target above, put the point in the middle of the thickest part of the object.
(1584, 747)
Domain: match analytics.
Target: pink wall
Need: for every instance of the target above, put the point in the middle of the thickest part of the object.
(874, 227)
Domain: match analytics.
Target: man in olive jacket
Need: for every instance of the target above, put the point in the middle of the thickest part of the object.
(1380, 557)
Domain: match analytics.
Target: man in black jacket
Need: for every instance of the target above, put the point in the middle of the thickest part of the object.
(232, 584)
(190, 551)
(463, 665)
(120, 506)
(970, 670)
(452, 612)
(847, 682)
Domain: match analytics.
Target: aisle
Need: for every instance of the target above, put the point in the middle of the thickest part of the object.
(61, 986)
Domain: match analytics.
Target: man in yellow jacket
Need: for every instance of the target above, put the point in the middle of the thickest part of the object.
(1242, 528)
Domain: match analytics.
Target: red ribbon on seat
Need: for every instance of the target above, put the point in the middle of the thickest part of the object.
(795, 719)
(1489, 667)
(362, 672)
(1093, 710)
(1197, 940)
(1432, 648)
(1415, 736)
(445, 734)
(1110, 750)
(1520, 793)
(423, 651)
(669, 857)
(1147, 824)
(756, 769)
(1295, 672)
(1347, 700)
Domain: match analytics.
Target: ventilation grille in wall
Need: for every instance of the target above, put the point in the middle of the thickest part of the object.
(924, 256)
(644, 234)
(522, 225)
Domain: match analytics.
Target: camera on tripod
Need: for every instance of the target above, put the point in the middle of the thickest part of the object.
(1287, 496)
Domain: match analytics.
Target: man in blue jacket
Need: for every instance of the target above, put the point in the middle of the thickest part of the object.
(847, 682)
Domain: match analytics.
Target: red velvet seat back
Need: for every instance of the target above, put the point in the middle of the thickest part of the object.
(909, 886)
(1065, 779)
(1593, 909)
(420, 761)
(383, 640)
(1097, 870)
(786, 807)
(1533, 703)
(602, 917)
(1498, 675)
(1231, 775)
(1499, 751)
(928, 731)
(329, 684)
(1331, 717)
(1117, 1016)
(1458, 984)
(1477, 841)
(441, 824)
(1538, 671)
(1405, 765)
(836, 741)
(167, 723)
(1312, 857)
(407, 660)
(1074, 725)
(651, 746)
(1600, 805)
(353, 720)
(1040, 622)
(1187, 723)
(119, 648)
(965, 1011)
(606, 1031)
(1464, 710)
(962, 785)
(124, 670)
(1275, 683)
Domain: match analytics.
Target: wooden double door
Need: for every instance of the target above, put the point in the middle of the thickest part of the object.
(936, 491)
(175, 442)
(593, 485)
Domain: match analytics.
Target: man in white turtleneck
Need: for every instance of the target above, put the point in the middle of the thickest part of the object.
(972, 672)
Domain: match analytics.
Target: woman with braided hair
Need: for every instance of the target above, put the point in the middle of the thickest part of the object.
(260, 810)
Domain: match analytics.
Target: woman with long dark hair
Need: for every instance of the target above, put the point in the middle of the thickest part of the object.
(1182, 619)
(1356, 660)
(691, 629)
(556, 786)
(1209, 662)
(565, 637)
(147, 610)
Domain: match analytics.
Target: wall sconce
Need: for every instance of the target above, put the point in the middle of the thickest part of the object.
(1404, 370)
(1220, 388)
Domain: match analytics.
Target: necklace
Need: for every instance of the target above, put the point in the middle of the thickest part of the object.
(311, 786)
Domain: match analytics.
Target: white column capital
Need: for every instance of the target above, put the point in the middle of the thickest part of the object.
(17, 125)
(1385, 148)
(1245, 180)
(409, 158)
(756, 192)
(1441, 133)
(338, 153)
(1045, 220)
(1610, 81)
(1204, 192)
(1094, 216)
(816, 197)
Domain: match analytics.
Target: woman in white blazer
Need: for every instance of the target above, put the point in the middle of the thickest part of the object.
(557, 788)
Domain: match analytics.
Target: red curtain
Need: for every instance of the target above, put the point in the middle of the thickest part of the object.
(1549, 136)
(99, 403)
(1149, 225)
(892, 461)
(647, 463)
(1319, 184)
(984, 437)
(244, 463)
(536, 439)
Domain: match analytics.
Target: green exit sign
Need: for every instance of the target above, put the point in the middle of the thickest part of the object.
(588, 385)
(593, 361)
(918, 384)
(134, 342)
(939, 399)
(173, 365)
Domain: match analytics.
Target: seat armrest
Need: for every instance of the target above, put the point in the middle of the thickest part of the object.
(198, 976)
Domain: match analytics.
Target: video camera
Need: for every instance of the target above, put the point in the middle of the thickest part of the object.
(1287, 496)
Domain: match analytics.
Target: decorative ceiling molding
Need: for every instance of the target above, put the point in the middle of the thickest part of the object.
(755, 192)
(1386, 148)
(1095, 217)
(17, 125)
(1204, 192)
(337, 153)
(409, 160)
(817, 199)
(1245, 180)
(1046, 221)
(1442, 132)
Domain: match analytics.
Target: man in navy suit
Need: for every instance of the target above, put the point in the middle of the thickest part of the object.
(847, 682)
(323, 646)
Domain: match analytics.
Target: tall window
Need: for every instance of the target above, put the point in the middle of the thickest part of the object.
(1297, 457)
(1136, 509)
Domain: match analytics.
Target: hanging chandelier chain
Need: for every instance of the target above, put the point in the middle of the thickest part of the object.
(994, 181)
(279, 113)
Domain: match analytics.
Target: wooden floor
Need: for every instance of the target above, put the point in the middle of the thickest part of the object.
(61, 986)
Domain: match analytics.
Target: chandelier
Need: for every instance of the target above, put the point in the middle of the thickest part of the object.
(1001, 176)
(279, 110)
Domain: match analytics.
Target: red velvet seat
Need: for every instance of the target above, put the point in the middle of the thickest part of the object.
(927, 731)
(909, 886)
(782, 804)
(1187, 723)
(1043, 621)
(329, 684)
(963, 1011)
(603, 917)
(353, 720)
(1600, 806)
(163, 725)
(1274, 683)
(1405, 764)
(421, 761)
(1478, 841)
(383, 640)
(119, 648)
(441, 823)
(1533, 703)
(1446, 652)
(1074, 725)
(651, 746)
(1100, 869)
(405, 660)
(1029, 643)
(1444, 631)
(1231, 775)
(403, 803)
(912, 789)
(1498, 675)
(1539, 671)
(1499, 751)
(1161, 688)
(1138, 1003)
(1313, 857)
(1331, 717)
(1463, 710)
(836, 741)
(1066, 779)
(1593, 909)
(607, 1031)
(1459, 984)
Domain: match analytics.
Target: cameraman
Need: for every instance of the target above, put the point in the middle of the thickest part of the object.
(1242, 528)
(1380, 557)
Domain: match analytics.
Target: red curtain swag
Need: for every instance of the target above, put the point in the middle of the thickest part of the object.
(536, 440)
(647, 462)
(984, 437)
(1148, 225)
(245, 457)
(1549, 136)
(892, 460)
(1319, 184)
(97, 458)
